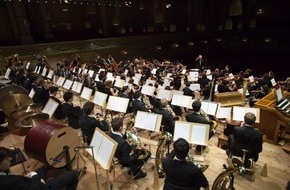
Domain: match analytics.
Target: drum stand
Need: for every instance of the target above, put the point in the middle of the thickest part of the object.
(77, 149)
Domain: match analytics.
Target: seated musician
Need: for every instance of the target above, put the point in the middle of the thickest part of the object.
(58, 114)
(199, 116)
(88, 122)
(124, 153)
(33, 180)
(180, 172)
(137, 103)
(73, 113)
(248, 138)
(167, 116)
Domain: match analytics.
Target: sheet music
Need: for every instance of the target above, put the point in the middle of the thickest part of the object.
(86, 93)
(118, 104)
(50, 107)
(36, 69)
(50, 73)
(224, 112)
(251, 79)
(182, 130)
(195, 87)
(85, 71)
(119, 83)
(97, 77)
(279, 94)
(126, 72)
(212, 109)
(209, 77)
(105, 152)
(55, 79)
(148, 90)
(101, 70)
(136, 80)
(100, 98)
(91, 73)
(192, 78)
(183, 71)
(164, 94)
(153, 71)
(151, 122)
(27, 65)
(31, 93)
(44, 71)
(140, 120)
(273, 82)
(186, 101)
(149, 81)
(68, 83)
(8, 71)
(239, 113)
(231, 76)
(138, 75)
(199, 134)
(60, 81)
(176, 99)
(110, 75)
(77, 86)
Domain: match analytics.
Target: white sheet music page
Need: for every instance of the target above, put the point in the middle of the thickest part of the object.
(186, 101)
(50, 107)
(60, 81)
(153, 71)
(105, 151)
(182, 130)
(224, 112)
(148, 90)
(86, 93)
(8, 71)
(44, 71)
(31, 93)
(50, 73)
(79, 87)
(100, 98)
(212, 108)
(164, 94)
(199, 134)
(195, 87)
(27, 65)
(68, 83)
(151, 121)
(119, 83)
(118, 104)
(176, 100)
(238, 113)
(140, 120)
(96, 142)
(204, 106)
(149, 81)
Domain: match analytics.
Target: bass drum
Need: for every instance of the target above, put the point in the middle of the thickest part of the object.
(47, 142)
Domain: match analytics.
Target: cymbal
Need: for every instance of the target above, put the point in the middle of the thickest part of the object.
(13, 102)
(5, 90)
(25, 119)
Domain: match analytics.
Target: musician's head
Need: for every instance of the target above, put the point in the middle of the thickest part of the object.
(163, 103)
(117, 124)
(137, 94)
(88, 108)
(68, 96)
(181, 148)
(5, 158)
(53, 89)
(196, 105)
(249, 118)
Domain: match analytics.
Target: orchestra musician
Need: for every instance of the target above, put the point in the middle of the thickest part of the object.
(198, 116)
(180, 172)
(124, 153)
(88, 122)
(36, 180)
(58, 114)
(137, 103)
(199, 62)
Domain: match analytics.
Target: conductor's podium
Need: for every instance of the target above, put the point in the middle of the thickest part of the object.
(229, 98)
(273, 122)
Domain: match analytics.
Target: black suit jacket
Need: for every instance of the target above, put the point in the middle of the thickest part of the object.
(196, 118)
(88, 125)
(73, 114)
(182, 173)
(188, 92)
(138, 105)
(167, 119)
(123, 150)
(247, 138)
(16, 182)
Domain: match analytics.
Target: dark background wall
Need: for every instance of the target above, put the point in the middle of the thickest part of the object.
(242, 33)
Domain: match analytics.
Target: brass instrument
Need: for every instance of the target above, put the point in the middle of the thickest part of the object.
(147, 103)
(202, 167)
(134, 140)
(166, 139)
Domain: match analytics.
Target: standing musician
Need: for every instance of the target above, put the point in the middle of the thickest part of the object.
(124, 153)
(181, 173)
(33, 180)
(199, 62)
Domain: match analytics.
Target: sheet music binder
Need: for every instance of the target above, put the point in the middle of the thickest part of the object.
(148, 121)
(100, 98)
(148, 90)
(104, 148)
(86, 93)
(239, 113)
(50, 107)
(181, 100)
(118, 104)
(194, 133)
(210, 108)
(167, 94)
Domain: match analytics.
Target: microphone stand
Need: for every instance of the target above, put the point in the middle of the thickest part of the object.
(77, 148)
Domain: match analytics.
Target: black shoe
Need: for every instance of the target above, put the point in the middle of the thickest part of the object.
(139, 175)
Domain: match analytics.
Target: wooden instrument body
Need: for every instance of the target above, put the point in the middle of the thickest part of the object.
(46, 141)
(229, 98)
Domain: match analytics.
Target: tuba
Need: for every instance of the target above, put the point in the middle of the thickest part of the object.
(134, 140)
(165, 140)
